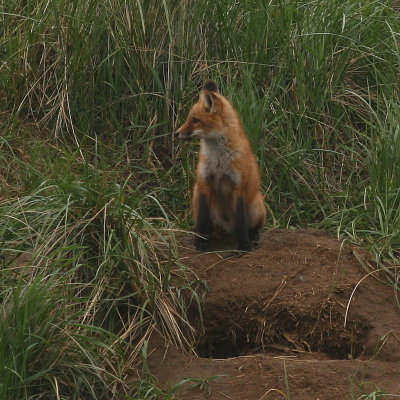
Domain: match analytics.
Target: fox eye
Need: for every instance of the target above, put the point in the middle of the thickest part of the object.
(195, 120)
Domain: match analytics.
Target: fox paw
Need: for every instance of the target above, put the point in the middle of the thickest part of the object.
(201, 244)
(245, 246)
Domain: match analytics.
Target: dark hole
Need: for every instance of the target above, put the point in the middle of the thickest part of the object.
(218, 348)
(288, 335)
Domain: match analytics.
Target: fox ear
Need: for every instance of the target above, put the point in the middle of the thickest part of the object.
(209, 97)
(211, 86)
(210, 101)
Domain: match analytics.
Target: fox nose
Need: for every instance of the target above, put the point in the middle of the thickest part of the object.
(183, 135)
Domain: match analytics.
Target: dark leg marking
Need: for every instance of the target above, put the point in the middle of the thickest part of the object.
(204, 225)
(241, 226)
(254, 235)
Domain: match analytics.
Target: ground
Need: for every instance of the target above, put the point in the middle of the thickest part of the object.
(297, 318)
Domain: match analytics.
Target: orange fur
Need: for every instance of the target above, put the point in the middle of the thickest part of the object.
(227, 168)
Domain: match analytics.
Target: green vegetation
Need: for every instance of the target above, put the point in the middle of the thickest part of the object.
(94, 186)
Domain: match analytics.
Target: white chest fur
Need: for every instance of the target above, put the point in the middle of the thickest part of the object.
(218, 167)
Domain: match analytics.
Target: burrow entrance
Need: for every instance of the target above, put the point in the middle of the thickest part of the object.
(237, 330)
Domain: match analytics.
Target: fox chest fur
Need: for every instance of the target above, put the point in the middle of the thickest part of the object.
(217, 168)
(217, 172)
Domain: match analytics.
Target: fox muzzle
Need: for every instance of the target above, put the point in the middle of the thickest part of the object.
(184, 135)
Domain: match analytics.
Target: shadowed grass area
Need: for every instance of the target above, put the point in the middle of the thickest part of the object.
(81, 262)
(94, 186)
(42, 343)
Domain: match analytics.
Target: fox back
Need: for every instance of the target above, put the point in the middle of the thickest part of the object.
(227, 194)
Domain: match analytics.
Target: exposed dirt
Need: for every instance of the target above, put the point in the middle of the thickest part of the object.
(299, 314)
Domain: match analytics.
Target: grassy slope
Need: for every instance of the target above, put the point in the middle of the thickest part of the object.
(91, 176)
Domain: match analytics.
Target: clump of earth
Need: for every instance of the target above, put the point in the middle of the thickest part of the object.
(299, 317)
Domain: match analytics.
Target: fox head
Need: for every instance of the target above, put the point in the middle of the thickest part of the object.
(207, 118)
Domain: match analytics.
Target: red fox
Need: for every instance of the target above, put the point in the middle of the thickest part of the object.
(227, 196)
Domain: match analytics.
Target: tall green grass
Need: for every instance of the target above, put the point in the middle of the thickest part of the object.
(45, 351)
(82, 267)
(93, 184)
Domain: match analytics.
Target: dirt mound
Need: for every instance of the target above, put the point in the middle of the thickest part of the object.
(296, 315)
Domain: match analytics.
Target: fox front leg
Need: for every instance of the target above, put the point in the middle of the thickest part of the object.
(204, 225)
(241, 226)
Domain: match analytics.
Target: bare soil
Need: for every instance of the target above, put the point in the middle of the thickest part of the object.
(299, 318)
